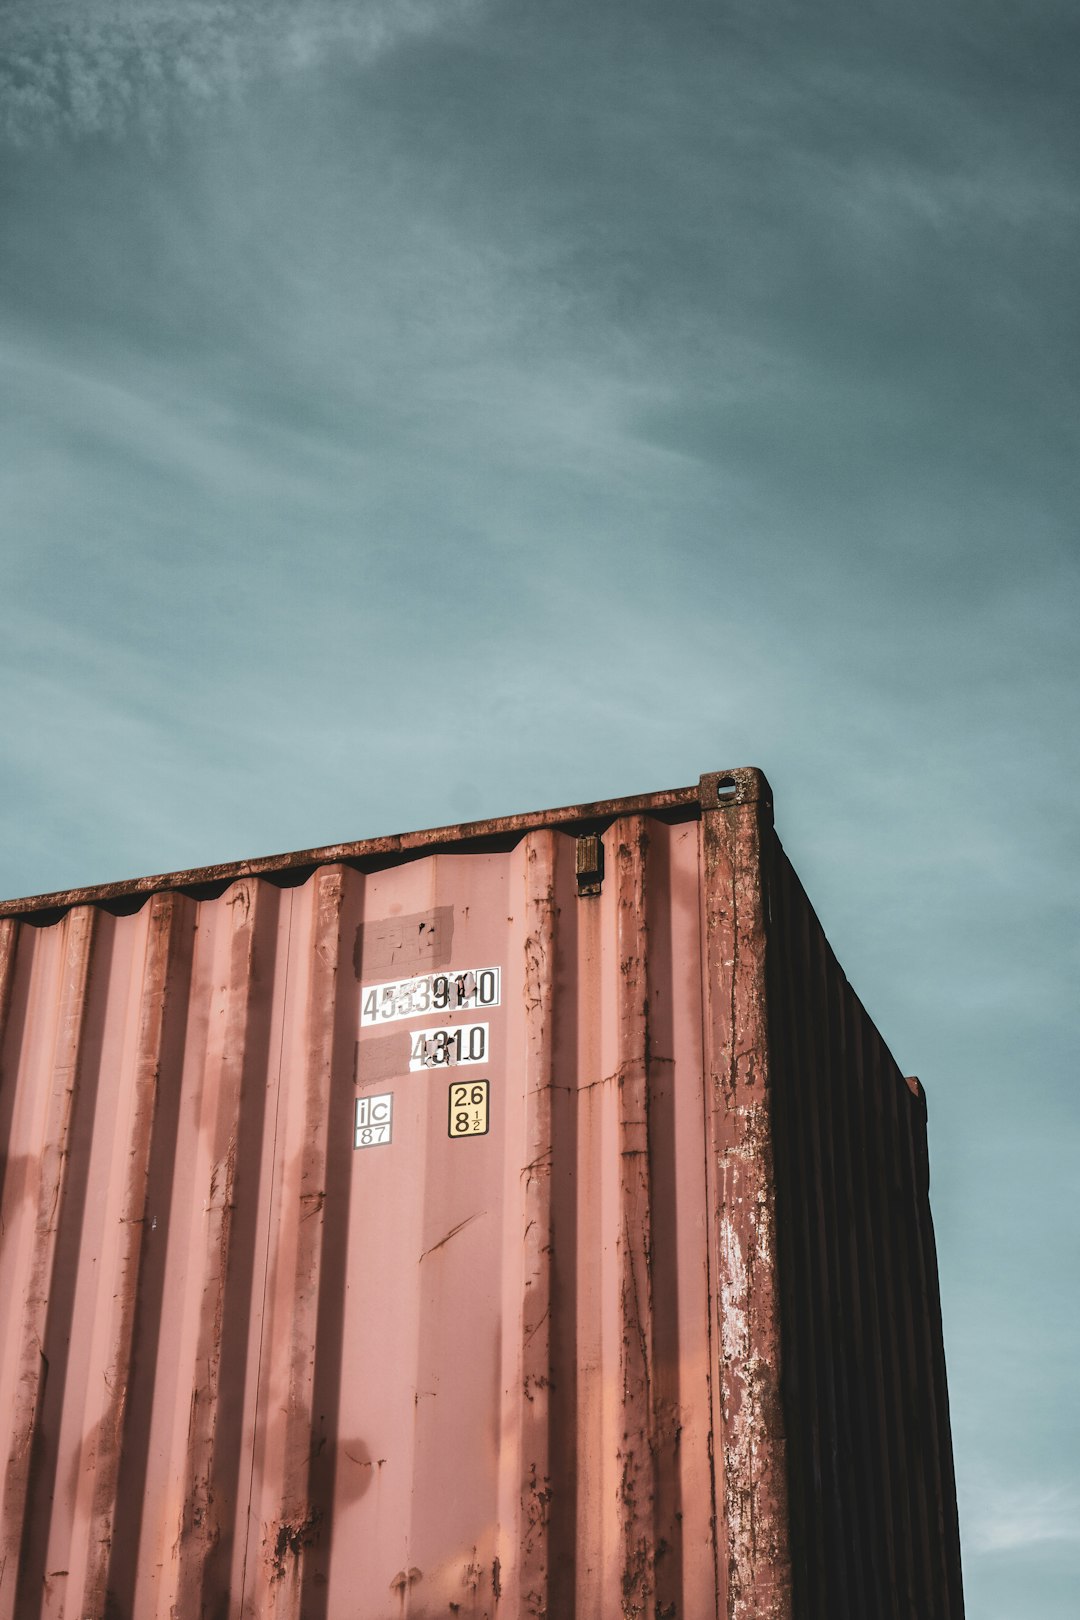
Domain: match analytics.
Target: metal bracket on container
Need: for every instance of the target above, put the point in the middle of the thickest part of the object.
(589, 863)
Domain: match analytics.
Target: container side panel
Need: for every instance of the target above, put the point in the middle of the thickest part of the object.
(382, 1214)
(643, 1497)
(873, 1507)
(56, 1065)
(687, 1505)
(285, 1528)
(212, 1251)
(86, 1313)
(159, 1061)
(241, 1096)
(357, 1242)
(123, 1190)
(335, 1466)
(431, 1420)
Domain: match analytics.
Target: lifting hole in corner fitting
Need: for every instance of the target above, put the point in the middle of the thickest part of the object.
(726, 787)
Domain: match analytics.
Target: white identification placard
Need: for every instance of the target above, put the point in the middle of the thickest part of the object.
(374, 1120)
(448, 1046)
(430, 992)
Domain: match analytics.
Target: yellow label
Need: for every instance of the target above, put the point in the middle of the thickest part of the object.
(469, 1111)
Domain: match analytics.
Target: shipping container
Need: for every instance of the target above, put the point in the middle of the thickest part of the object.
(519, 1219)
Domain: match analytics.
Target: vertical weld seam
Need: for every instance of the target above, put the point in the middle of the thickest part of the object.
(147, 1054)
(318, 1072)
(730, 1485)
(711, 1279)
(764, 1391)
(918, 1291)
(535, 1565)
(836, 1548)
(266, 1259)
(637, 1229)
(41, 1450)
(792, 1236)
(565, 1404)
(944, 1466)
(916, 1298)
(329, 1335)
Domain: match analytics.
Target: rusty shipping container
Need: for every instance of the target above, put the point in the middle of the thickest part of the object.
(521, 1219)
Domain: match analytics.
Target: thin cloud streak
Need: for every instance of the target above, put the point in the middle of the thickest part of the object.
(72, 69)
(1023, 1514)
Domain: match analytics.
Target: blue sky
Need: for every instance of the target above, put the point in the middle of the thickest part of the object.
(421, 411)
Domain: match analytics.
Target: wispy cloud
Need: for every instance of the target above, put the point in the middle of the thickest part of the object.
(1004, 1518)
(75, 68)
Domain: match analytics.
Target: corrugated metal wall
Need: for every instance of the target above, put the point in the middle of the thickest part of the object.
(564, 1368)
(874, 1520)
